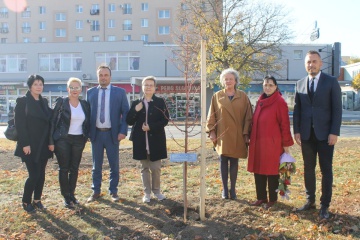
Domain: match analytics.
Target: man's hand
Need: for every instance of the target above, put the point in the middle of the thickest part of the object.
(145, 127)
(298, 138)
(51, 147)
(121, 136)
(332, 139)
(213, 136)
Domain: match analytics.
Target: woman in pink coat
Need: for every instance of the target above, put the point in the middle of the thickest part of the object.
(270, 137)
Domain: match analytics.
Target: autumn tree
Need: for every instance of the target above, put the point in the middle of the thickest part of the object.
(356, 82)
(241, 34)
(354, 60)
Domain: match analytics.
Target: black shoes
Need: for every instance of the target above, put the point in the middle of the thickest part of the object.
(28, 207)
(38, 205)
(307, 206)
(68, 203)
(324, 213)
(74, 200)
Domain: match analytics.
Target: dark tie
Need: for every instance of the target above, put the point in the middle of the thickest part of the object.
(102, 106)
(312, 86)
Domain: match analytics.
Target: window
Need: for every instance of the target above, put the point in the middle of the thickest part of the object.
(127, 8)
(60, 32)
(164, 30)
(3, 40)
(144, 7)
(79, 39)
(26, 13)
(4, 12)
(144, 22)
(298, 54)
(164, 14)
(42, 39)
(4, 27)
(119, 61)
(60, 62)
(112, 7)
(95, 25)
(42, 25)
(26, 40)
(111, 38)
(79, 8)
(111, 23)
(127, 38)
(95, 10)
(42, 10)
(95, 38)
(13, 62)
(60, 17)
(145, 38)
(79, 24)
(127, 25)
(26, 27)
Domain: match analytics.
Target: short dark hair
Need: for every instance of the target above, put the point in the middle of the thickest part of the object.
(104, 66)
(32, 78)
(313, 52)
(272, 78)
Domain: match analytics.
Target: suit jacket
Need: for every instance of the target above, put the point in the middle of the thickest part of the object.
(32, 120)
(231, 120)
(119, 107)
(324, 112)
(158, 118)
(62, 107)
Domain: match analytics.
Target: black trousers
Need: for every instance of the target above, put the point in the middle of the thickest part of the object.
(68, 151)
(260, 183)
(224, 170)
(310, 149)
(34, 184)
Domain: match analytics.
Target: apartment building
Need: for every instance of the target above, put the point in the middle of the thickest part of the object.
(63, 39)
(88, 21)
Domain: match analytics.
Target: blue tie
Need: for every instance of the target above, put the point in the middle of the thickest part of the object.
(312, 86)
(102, 106)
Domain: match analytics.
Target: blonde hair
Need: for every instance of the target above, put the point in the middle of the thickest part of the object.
(149, 78)
(73, 79)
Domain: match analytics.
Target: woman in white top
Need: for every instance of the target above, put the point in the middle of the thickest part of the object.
(70, 131)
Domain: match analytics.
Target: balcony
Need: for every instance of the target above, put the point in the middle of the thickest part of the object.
(4, 30)
(127, 26)
(94, 11)
(26, 29)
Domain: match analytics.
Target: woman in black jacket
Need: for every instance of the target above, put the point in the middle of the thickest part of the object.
(148, 117)
(32, 117)
(70, 131)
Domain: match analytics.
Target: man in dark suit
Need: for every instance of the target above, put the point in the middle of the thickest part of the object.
(109, 107)
(317, 121)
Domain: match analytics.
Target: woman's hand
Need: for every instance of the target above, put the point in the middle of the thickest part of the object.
(27, 150)
(212, 136)
(287, 150)
(145, 127)
(51, 147)
(139, 106)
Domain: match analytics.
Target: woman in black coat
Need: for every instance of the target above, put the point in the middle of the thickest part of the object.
(148, 117)
(32, 117)
(70, 131)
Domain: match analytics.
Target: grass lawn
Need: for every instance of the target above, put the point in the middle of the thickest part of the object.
(226, 219)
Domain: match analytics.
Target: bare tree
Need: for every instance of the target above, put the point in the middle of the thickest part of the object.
(242, 34)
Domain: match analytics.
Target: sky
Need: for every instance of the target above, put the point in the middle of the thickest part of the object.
(339, 21)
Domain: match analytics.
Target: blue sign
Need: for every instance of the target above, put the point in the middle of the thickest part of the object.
(183, 157)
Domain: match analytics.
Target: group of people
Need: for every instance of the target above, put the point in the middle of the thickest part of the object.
(102, 118)
(264, 134)
(236, 130)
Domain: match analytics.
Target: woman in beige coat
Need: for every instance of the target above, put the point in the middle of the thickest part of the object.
(228, 125)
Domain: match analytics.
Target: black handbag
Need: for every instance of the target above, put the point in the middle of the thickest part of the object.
(59, 127)
(10, 132)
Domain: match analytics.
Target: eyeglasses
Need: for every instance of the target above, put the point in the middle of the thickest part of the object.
(149, 86)
(75, 88)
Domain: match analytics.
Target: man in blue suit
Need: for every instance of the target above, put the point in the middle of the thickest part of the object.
(109, 107)
(317, 121)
